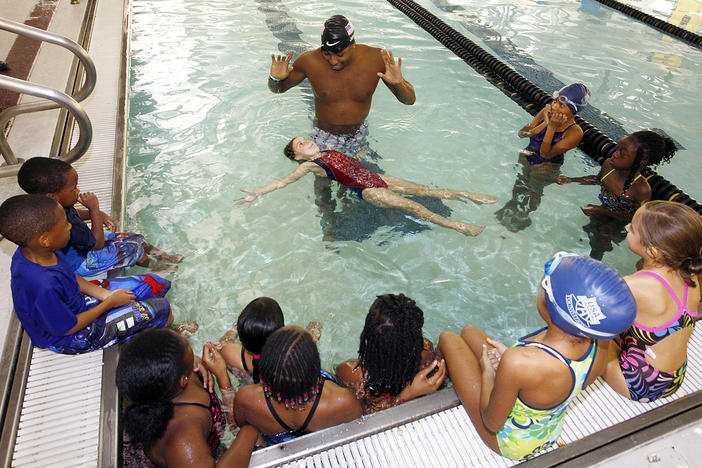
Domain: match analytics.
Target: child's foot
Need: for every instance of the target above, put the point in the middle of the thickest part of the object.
(314, 329)
(230, 336)
(170, 258)
(469, 229)
(479, 197)
(186, 327)
(162, 267)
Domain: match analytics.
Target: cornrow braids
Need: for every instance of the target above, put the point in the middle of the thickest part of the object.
(289, 367)
(149, 369)
(391, 344)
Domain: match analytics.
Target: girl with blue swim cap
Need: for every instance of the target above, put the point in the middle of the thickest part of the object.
(584, 303)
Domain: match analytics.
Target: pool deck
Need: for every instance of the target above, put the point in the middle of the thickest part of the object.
(675, 444)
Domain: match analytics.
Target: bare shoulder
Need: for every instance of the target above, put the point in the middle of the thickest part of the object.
(524, 365)
(348, 372)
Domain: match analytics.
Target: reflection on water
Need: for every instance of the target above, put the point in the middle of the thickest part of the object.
(203, 125)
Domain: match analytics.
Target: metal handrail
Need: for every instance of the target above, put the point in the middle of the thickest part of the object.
(59, 99)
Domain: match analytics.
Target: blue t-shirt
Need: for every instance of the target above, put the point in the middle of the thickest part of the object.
(46, 299)
(81, 242)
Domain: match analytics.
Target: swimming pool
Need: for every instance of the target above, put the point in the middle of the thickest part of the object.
(203, 125)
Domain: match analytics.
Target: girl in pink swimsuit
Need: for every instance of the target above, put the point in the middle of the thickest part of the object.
(379, 189)
(650, 358)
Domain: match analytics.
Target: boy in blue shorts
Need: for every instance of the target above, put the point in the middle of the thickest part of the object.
(59, 309)
(90, 250)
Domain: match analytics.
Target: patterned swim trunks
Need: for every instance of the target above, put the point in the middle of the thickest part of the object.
(348, 143)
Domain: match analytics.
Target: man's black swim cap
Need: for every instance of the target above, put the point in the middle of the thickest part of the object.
(337, 34)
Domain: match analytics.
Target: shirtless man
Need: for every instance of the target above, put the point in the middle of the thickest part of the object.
(344, 76)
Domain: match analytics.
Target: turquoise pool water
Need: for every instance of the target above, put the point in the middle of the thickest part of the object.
(203, 125)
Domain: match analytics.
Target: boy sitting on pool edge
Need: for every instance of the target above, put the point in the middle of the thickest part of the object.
(59, 309)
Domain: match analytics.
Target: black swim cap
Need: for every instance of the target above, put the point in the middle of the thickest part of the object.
(337, 34)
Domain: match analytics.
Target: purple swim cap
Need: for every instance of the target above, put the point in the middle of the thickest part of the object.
(574, 96)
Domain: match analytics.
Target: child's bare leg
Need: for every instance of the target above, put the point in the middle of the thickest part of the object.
(161, 255)
(404, 186)
(157, 266)
(186, 328)
(387, 199)
(230, 336)
(466, 375)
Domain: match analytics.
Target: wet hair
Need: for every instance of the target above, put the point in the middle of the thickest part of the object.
(337, 34)
(288, 151)
(257, 321)
(149, 369)
(391, 344)
(652, 149)
(43, 175)
(24, 217)
(675, 231)
(290, 367)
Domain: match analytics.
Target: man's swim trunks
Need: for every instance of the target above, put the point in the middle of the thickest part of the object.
(349, 171)
(349, 143)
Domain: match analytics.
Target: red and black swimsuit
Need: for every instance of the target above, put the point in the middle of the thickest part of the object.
(349, 171)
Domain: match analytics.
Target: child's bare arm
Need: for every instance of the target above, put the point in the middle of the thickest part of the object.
(535, 126)
(116, 298)
(90, 201)
(294, 176)
(499, 389)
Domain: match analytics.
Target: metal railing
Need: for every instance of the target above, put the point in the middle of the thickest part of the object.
(57, 98)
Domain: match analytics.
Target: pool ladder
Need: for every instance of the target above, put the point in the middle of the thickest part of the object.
(57, 98)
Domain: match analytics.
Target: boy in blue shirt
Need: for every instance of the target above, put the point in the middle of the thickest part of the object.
(90, 251)
(59, 309)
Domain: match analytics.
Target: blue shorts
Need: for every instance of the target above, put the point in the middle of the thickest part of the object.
(149, 310)
(117, 326)
(121, 250)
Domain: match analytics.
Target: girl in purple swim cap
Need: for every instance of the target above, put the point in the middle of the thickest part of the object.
(551, 133)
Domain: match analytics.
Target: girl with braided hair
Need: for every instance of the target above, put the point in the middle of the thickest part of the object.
(170, 417)
(650, 358)
(395, 363)
(623, 187)
(294, 395)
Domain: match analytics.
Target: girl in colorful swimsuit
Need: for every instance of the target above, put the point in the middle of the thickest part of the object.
(585, 304)
(551, 133)
(379, 189)
(649, 359)
(171, 418)
(623, 187)
(395, 363)
(294, 395)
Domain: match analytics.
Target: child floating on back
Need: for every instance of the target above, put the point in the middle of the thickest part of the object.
(59, 309)
(90, 251)
(648, 360)
(503, 389)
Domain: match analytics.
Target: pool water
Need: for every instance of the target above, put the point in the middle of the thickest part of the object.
(203, 125)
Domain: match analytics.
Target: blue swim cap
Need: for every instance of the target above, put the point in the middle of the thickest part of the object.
(587, 298)
(574, 96)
